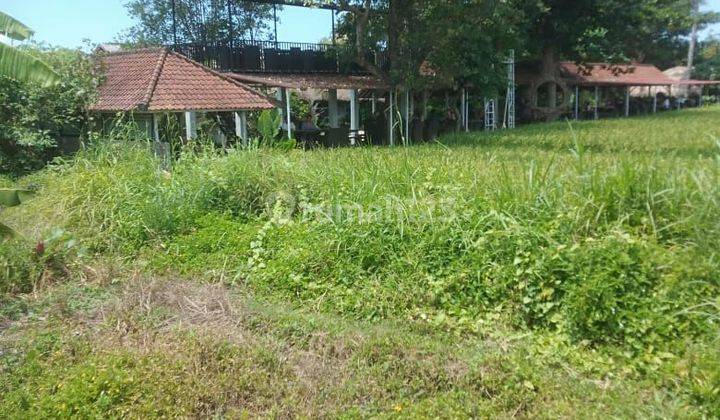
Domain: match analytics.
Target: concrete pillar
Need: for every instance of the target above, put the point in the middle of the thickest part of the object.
(333, 119)
(597, 102)
(156, 127)
(241, 127)
(354, 116)
(655, 103)
(700, 98)
(288, 117)
(281, 100)
(627, 101)
(577, 103)
(190, 125)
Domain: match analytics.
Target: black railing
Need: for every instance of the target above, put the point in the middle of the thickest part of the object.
(275, 57)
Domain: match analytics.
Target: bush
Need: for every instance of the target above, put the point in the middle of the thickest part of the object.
(34, 120)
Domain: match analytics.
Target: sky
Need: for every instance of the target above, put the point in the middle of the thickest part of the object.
(68, 23)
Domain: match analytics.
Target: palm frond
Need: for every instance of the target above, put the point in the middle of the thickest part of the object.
(12, 28)
(25, 68)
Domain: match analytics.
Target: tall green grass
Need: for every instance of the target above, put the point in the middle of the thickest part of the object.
(604, 231)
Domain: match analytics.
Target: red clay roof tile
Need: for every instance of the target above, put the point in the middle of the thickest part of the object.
(162, 80)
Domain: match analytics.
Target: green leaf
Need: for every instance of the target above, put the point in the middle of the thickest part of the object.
(25, 68)
(11, 197)
(13, 28)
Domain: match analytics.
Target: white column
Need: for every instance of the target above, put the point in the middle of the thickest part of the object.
(280, 100)
(577, 102)
(156, 127)
(333, 109)
(655, 102)
(391, 118)
(241, 127)
(597, 102)
(627, 101)
(288, 118)
(191, 125)
(354, 116)
(374, 102)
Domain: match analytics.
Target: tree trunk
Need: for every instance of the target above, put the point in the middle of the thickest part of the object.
(693, 38)
(549, 72)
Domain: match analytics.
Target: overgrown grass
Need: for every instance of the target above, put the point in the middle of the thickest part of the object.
(600, 235)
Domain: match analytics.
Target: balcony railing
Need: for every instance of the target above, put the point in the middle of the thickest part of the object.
(273, 57)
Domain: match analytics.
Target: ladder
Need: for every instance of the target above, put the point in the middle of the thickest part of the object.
(490, 121)
(509, 120)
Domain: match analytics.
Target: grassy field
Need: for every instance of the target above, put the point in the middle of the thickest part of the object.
(552, 271)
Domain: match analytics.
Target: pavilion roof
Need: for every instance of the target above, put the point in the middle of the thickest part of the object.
(606, 74)
(157, 79)
(311, 80)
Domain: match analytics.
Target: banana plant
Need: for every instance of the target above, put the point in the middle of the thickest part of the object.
(10, 197)
(17, 64)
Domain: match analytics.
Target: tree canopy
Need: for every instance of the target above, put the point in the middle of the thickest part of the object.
(197, 21)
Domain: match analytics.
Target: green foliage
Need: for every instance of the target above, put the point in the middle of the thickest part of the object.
(268, 126)
(13, 28)
(197, 21)
(591, 233)
(34, 117)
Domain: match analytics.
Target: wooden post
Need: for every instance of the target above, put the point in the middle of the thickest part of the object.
(463, 99)
(391, 118)
(333, 109)
(190, 125)
(406, 117)
(374, 102)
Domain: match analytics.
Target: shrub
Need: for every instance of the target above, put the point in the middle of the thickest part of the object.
(34, 119)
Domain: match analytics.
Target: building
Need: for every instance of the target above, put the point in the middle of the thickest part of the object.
(151, 83)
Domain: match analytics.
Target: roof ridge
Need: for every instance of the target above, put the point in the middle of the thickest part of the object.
(132, 51)
(220, 75)
(154, 81)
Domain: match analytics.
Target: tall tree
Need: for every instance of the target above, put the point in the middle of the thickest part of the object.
(695, 11)
(197, 21)
(431, 43)
(607, 30)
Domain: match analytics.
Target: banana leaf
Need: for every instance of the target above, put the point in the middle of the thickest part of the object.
(25, 68)
(14, 29)
(11, 197)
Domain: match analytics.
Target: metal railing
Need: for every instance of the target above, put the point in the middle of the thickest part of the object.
(271, 56)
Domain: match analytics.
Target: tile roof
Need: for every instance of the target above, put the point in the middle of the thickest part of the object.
(162, 80)
(312, 80)
(605, 74)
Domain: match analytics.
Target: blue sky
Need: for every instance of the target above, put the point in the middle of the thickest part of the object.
(68, 22)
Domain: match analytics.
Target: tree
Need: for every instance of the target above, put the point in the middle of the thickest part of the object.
(603, 30)
(430, 43)
(197, 21)
(15, 63)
